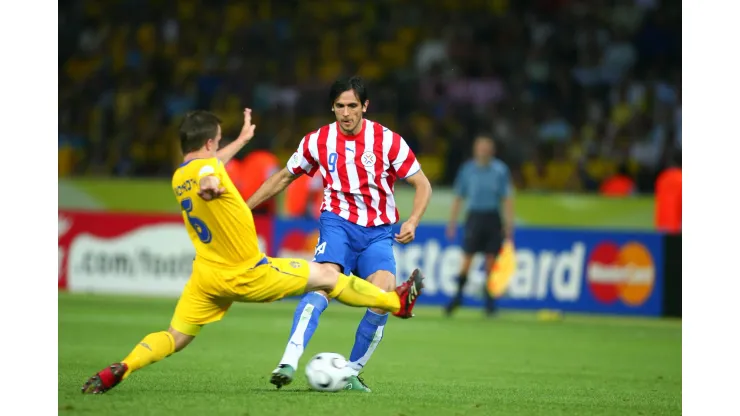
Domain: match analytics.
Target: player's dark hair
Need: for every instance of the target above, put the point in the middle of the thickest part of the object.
(196, 129)
(346, 84)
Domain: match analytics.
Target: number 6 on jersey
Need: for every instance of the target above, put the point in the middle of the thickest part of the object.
(200, 227)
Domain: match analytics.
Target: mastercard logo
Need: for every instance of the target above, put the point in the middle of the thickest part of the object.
(625, 273)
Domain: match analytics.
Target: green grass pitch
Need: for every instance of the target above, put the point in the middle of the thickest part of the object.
(430, 365)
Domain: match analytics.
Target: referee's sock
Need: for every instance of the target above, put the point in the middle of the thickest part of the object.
(457, 300)
(490, 301)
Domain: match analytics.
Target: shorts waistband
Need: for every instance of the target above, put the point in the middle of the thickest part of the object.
(248, 264)
(490, 212)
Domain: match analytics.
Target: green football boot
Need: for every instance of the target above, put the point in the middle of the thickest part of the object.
(356, 383)
(282, 376)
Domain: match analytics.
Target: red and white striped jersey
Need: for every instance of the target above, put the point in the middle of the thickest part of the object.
(358, 171)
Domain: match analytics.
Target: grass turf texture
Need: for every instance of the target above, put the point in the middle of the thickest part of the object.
(510, 365)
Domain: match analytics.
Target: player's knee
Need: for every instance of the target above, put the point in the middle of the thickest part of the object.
(324, 293)
(383, 279)
(323, 277)
(181, 340)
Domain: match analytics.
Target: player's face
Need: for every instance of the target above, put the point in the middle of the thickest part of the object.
(348, 109)
(483, 150)
(212, 144)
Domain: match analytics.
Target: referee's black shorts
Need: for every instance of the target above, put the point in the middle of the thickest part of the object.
(483, 233)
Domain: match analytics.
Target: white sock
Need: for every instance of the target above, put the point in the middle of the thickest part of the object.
(295, 347)
(354, 369)
(377, 335)
(292, 354)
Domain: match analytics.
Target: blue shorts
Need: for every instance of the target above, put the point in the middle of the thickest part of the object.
(359, 250)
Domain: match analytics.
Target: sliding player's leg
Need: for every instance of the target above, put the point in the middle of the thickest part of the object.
(194, 310)
(357, 292)
(152, 348)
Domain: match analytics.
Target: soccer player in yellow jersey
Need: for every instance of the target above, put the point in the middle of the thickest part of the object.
(229, 266)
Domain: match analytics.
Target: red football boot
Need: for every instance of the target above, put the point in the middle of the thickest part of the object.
(408, 292)
(106, 379)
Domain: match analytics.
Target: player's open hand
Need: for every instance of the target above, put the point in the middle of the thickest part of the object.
(407, 233)
(248, 129)
(509, 233)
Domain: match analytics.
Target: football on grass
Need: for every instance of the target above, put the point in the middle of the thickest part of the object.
(328, 371)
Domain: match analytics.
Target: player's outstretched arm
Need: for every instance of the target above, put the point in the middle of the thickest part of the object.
(451, 231)
(245, 136)
(422, 196)
(509, 217)
(271, 187)
(460, 188)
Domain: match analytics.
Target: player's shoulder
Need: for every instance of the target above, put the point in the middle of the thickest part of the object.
(314, 134)
(499, 164)
(200, 162)
(200, 166)
(467, 165)
(378, 127)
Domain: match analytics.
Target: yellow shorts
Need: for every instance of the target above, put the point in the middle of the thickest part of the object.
(210, 291)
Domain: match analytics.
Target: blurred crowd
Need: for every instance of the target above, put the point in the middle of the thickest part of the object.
(575, 92)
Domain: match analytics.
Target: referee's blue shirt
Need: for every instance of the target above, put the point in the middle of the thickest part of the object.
(483, 187)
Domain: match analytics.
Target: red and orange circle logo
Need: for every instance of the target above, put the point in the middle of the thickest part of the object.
(625, 273)
(299, 244)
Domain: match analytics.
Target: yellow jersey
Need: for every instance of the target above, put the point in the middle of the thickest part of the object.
(222, 229)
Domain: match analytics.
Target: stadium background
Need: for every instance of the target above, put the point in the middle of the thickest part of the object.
(576, 93)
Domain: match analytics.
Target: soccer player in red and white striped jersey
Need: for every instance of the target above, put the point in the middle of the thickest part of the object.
(359, 161)
(359, 170)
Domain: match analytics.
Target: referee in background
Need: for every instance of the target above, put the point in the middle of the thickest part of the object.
(485, 182)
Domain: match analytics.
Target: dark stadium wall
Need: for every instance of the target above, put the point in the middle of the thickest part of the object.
(672, 265)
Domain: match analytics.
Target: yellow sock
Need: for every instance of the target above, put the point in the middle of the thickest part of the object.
(151, 349)
(353, 291)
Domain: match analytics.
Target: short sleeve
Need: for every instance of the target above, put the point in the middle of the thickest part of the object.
(402, 158)
(461, 181)
(302, 162)
(507, 186)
